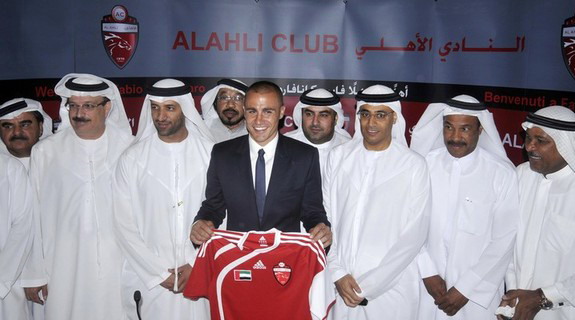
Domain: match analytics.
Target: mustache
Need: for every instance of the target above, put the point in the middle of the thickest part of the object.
(230, 110)
(456, 143)
(14, 138)
(80, 119)
(533, 154)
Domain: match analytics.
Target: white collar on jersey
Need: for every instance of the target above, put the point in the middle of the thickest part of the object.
(276, 232)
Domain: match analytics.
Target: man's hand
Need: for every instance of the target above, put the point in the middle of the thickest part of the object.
(183, 276)
(435, 286)
(451, 302)
(347, 288)
(320, 232)
(32, 294)
(169, 282)
(201, 231)
(504, 302)
(527, 305)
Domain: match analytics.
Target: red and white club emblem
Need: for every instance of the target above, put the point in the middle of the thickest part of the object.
(120, 36)
(282, 273)
(568, 44)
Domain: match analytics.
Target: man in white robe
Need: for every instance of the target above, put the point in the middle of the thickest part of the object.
(75, 257)
(474, 215)
(319, 119)
(541, 277)
(158, 188)
(23, 122)
(16, 205)
(377, 195)
(223, 110)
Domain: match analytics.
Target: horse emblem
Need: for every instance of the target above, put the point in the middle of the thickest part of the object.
(120, 36)
(568, 44)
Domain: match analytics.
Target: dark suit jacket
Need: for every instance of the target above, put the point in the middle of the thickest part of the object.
(294, 192)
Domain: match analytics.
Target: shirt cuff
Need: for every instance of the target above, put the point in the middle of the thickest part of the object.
(32, 283)
(337, 274)
(553, 295)
(426, 266)
(156, 281)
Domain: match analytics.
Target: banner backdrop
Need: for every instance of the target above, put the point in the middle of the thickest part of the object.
(517, 56)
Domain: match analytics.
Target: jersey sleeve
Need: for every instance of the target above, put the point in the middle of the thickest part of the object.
(202, 273)
(322, 291)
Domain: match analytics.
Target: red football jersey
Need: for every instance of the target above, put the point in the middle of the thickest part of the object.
(261, 275)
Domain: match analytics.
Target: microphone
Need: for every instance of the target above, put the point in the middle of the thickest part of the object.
(137, 299)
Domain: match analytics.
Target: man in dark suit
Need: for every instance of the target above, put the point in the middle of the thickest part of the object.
(263, 180)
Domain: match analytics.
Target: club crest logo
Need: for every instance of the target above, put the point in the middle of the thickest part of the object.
(568, 44)
(282, 273)
(120, 36)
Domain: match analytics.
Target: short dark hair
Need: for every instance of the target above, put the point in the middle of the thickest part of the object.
(106, 100)
(265, 87)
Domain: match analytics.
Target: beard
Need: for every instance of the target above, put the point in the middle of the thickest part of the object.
(231, 119)
(318, 137)
(170, 129)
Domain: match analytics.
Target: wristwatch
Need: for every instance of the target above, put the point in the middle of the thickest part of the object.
(545, 303)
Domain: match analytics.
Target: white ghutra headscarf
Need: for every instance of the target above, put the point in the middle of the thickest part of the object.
(428, 132)
(559, 123)
(209, 111)
(319, 97)
(81, 85)
(380, 95)
(15, 107)
(171, 89)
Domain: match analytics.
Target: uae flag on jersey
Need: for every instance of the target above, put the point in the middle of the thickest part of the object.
(242, 275)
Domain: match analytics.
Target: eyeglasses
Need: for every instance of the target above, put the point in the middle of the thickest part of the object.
(226, 98)
(379, 115)
(86, 106)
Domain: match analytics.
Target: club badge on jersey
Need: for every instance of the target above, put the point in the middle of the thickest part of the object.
(282, 273)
